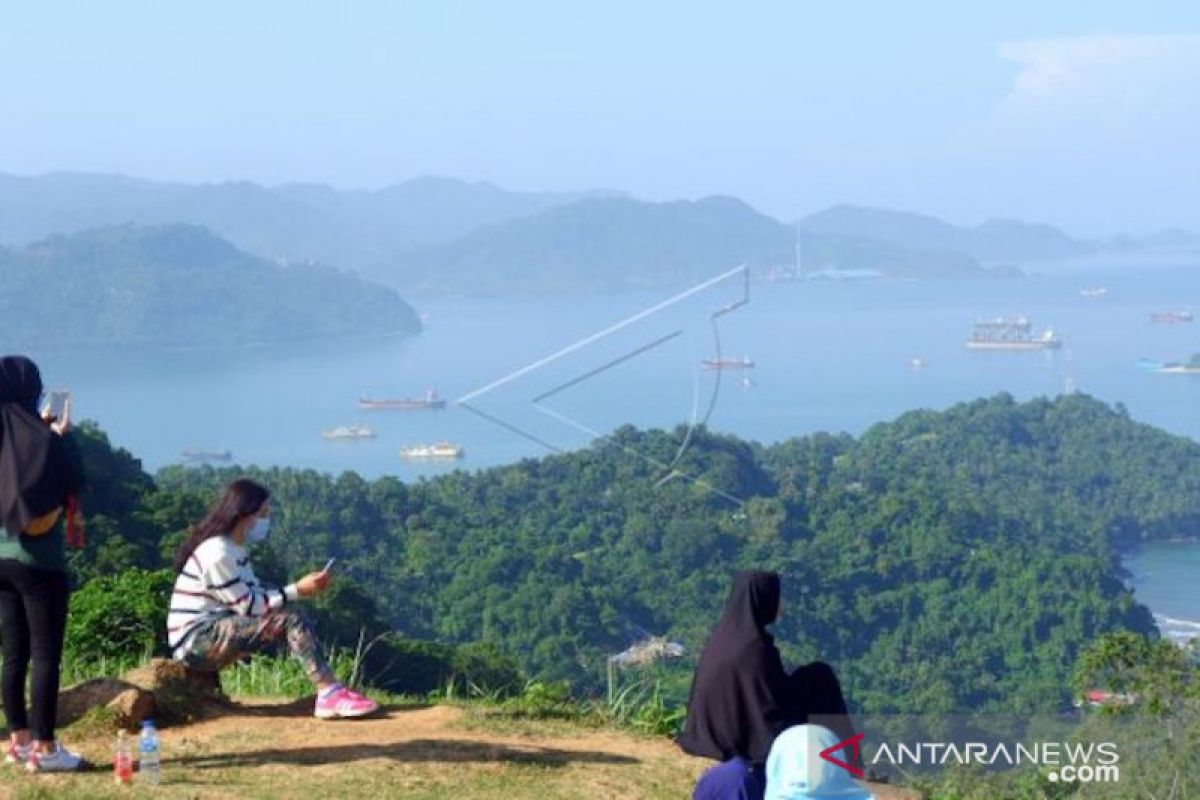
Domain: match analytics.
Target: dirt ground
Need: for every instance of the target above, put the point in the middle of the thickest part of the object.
(273, 750)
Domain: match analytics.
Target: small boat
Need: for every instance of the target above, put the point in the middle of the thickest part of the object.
(435, 450)
(1171, 317)
(194, 456)
(1175, 368)
(349, 432)
(728, 363)
(429, 400)
(915, 363)
(1099, 291)
(1171, 367)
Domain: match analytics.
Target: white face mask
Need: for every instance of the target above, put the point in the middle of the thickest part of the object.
(258, 531)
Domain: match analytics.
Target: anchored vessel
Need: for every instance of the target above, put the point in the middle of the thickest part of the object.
(743, 362)
(206, 456)
(1171, 317)
(349, 432)
(435, 450)
(1011, 333)
(429, 400)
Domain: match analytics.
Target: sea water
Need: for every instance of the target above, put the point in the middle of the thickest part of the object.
(546, 374)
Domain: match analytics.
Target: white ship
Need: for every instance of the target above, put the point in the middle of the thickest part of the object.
(435, 450)
(1011, 333)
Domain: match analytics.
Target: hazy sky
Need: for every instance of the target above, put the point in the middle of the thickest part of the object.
(1086, 114)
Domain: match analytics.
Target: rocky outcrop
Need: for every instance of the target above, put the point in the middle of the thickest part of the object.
(161, 688)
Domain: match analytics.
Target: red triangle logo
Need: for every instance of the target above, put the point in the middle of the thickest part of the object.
(853, 743)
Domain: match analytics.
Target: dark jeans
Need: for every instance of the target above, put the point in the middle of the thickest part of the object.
(819, 698)
(33, 619)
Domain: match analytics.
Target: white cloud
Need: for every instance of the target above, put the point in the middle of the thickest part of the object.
(1101, 91)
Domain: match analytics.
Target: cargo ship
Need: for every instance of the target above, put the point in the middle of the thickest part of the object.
(728, 363)
(206, 456)
(1011, 333)
(1171, 317)
(429, 400)
(436, 450)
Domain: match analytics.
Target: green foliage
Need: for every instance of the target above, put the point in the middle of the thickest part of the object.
(941, 562)
(404, 666)
(179, 285)
(644, 706)
(1161, 676)
(1157, 736)
(119, 617)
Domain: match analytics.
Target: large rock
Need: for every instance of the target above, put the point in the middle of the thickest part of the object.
(180, 694)
(129, 704)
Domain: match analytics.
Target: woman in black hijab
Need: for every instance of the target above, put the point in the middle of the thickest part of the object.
(742, 697)
(39, 478)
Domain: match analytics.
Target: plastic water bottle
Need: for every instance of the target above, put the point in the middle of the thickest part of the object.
(122, 761)
(148, 750)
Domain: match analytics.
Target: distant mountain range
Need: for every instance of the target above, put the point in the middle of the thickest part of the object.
(611, 244)
(994, 240)
(443, 235)
(179, 285)
(350, 229)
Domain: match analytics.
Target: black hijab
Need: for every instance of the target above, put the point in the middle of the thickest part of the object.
(740, 697)
(35, 475)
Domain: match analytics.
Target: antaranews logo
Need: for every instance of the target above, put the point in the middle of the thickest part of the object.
(1068, 762)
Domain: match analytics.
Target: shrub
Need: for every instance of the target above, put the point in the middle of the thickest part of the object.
(120, 618)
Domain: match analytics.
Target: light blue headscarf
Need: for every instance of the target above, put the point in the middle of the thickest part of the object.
(795, 770)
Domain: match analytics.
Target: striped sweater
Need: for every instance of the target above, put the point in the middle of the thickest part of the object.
(216, 582)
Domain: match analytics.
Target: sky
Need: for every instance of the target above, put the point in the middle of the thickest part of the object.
(1082, 114)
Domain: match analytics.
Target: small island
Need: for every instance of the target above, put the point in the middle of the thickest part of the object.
(181, 286)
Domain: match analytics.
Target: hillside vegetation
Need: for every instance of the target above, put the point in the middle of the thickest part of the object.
(943, 561)
(179, 286)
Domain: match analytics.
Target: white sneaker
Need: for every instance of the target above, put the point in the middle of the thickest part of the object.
(61, 760)
(16, 753)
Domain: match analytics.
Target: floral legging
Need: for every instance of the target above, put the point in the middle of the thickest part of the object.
(219, 643)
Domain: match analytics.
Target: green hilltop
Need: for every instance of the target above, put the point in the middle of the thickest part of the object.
(945, 561)
(180, 286)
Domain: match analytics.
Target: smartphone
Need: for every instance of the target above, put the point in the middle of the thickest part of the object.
(329, 564)
(56, 403)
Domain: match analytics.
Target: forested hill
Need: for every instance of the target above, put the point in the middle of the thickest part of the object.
(943, 561)
(617, 243)
(179, 285)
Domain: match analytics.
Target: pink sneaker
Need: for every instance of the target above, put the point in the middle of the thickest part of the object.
(343, 703)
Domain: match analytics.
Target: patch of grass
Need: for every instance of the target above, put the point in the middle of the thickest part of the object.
(98, 721)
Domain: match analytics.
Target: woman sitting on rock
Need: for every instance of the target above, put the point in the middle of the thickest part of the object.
(221, 612)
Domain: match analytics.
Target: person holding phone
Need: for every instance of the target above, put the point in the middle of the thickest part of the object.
(40, 477)
(220, 611)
